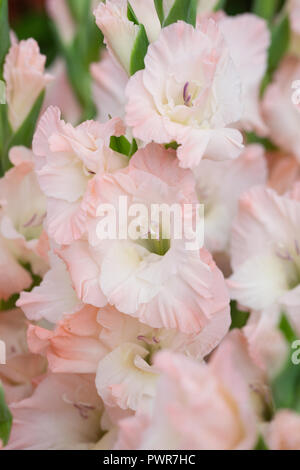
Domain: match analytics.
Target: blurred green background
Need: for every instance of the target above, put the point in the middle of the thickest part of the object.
(28, 18)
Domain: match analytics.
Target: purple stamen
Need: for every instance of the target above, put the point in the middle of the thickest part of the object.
(145, 339)
(148, 340)
(30, 221)
(186, 96)
(35, 221)
(83, 409)
(39, 221)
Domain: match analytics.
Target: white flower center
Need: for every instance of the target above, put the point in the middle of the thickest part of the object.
(290, 257)
(190, 102)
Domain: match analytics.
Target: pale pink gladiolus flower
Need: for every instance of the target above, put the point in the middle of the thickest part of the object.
(127, 377)
(22, 366)
(22, 239)
(283, 433)
(25, 77)
(60, 93)
(189, 92)
(296, 94)
(163, 284)
(105, 342)
(267, 346)
(199, 406)
(75, 410)
(114, 346)
(281, 115)
(74, 346)
(219, 186)
(109, 83)
(119, 33)
(265, 253)
(284, 171)
(67, 158)
(248, 39)
(54, 297)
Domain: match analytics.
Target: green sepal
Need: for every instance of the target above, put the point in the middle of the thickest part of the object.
(181, 10)
(279, 43)
(160, 10)
(139, 51)
(122, 145)
(23, 135)
(238, 318)
(261, 444)
(131, 15)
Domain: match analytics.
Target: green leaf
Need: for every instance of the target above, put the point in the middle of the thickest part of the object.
(5, 419)
(79, 8)
(265, 8)
(9, 304)
(160, 10)
(238, 318)
(4, 33)
(287, 330)
(181, 10)
(286, 388)
(88, 41)
(279, 43)
(133, 148)
(80, 81)
(139, 51)
(5, 135)
(24, 134)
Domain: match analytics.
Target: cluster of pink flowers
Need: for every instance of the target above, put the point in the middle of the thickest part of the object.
(132, 343)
